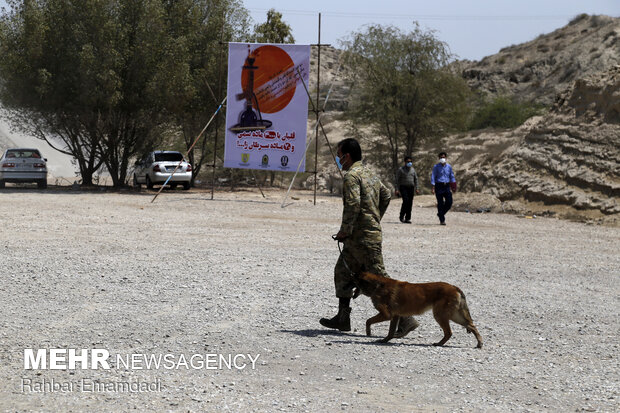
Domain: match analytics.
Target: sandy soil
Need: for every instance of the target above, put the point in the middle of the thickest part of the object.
(240, 275)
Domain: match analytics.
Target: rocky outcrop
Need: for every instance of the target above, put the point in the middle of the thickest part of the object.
(570, 156)
(538, 70)
(332, 78)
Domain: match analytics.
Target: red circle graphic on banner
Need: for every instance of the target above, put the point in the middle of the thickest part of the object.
(274, 78)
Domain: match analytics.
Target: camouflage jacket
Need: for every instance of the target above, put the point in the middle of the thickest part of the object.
(365, 201)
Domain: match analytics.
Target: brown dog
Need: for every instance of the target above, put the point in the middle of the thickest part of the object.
(394, 299)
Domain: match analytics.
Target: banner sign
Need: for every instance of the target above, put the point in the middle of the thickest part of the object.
(267, 109)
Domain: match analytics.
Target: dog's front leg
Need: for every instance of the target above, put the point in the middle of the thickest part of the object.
(393, 327)
(379, 318)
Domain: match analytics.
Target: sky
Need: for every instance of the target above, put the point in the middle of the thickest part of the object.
(472, 29)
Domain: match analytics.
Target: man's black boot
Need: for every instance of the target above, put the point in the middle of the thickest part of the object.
(342, 320)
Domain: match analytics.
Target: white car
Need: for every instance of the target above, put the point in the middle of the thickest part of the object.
(156, 167)
(23, 165)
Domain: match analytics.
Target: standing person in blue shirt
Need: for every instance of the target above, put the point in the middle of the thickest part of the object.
(442, 180)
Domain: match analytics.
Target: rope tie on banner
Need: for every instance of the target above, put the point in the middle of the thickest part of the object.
(190, 149)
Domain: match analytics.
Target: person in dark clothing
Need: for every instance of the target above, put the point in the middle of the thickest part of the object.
(406, 185)
(365, 200)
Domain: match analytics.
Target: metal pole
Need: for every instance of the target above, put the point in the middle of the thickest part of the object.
(316, 136)
(257, 184)
(217, 120)
(296, 172)
(316, 112)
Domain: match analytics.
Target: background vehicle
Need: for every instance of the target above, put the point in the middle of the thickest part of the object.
(23, 165)
(156, 167)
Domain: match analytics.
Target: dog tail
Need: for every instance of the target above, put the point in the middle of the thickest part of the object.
(469, 323)
(465, 311)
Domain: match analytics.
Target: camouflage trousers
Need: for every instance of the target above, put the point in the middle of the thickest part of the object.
(358, 257)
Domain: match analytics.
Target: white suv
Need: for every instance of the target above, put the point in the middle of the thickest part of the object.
(156, 167)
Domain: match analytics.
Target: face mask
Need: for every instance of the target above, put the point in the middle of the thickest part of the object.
(338, 162)
(442, 160)
(409, 164)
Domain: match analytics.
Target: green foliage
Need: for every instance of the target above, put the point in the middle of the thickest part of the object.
(274, 30)
(403, 89)
(191, 76)
(502, 112)
(109, 77)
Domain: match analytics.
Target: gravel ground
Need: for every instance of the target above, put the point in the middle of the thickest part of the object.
(240, 275)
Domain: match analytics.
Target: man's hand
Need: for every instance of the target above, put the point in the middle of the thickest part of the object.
(417, 192)
(397, 193)
(340, 236)
(433, 189)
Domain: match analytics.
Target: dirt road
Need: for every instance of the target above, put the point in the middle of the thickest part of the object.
(239, 275)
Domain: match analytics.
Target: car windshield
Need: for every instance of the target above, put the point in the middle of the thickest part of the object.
(23, 153)
(168, 157)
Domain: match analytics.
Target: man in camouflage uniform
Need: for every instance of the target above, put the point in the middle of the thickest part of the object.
(365, 201)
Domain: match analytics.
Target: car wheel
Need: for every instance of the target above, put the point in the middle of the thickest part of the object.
(2, 185)
(149, 184)
(173, 186)
(42, 184)
(136, 184)
(186, 185)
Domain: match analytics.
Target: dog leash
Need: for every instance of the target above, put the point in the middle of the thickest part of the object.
(340, 249)
(357, 290)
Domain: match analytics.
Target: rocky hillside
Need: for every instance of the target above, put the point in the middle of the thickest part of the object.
(540, 69)
(332, 77)
(566, 162)
(533, 71)
(569, 157)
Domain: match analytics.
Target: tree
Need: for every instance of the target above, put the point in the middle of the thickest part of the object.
(106, 77)
(83, 71)
(403, 89)
(503, 112)
(40, 97)
(195, 62)
(274, 30)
